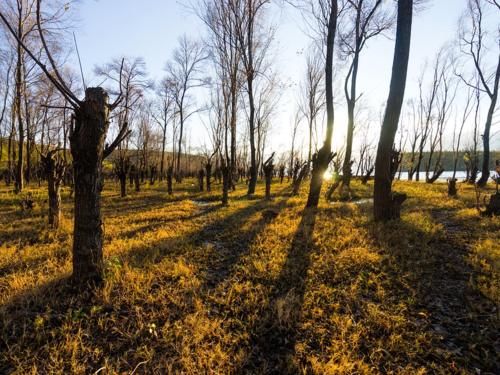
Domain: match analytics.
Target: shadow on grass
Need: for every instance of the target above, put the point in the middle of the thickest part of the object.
(222, 235)
(26, 317)
(56, 305)
(461, 321)
(272, 344)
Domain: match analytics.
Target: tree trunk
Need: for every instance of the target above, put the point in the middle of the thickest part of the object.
(170, 172)
(323, 157)
(452, 187)
(54, 170)
(386, 204)
(485, 170)
(253, 161)
(201, 178)
(54, 201)
(123, 184)
(19, 181)
(178, 174)
(226, 181)
(208, 168)
(87, 148)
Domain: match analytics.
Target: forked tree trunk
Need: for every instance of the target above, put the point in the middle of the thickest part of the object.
(297, 181)
(485, 169)
(323, 157)
(54, 170)
(87, 149)
(386, 204)
(268, 168)
(54, 202)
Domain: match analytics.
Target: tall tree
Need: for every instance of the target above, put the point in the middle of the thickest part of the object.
(224, 45)
(131, 74)
(253, 40)
(385, 205)
(472, 36)
(165, 114)
(362, 21)
(184, 75)
(312, 95)
(326, 14)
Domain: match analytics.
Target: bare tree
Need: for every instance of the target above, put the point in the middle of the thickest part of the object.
(224, 44)
(296, 123)
(6, 70)
(386, 203)
(312, 94)
(164, 116)
(473, 44)
(414, 136)
(444, 100)
(362, 20)
(133, 75)
(184, 75)
(253, 41)
(457, 138)
(426, 108)
(87, 138)
(326, 15)
(54, 168)
(268, 167)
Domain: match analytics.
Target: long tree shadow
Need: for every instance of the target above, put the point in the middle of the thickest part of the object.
(229, 242)
(272, 344)
(462, 322)
(152, 224)
(51, 303)
(48, 304)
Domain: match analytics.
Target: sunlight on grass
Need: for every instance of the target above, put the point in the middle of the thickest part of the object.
(196, 288)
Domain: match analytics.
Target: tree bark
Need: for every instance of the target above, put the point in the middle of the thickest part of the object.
(323, 157)
(87, 148)
(384, 199)
(54, 170)
(485, 170)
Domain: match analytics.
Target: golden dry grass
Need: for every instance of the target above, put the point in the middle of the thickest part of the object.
(194, 287)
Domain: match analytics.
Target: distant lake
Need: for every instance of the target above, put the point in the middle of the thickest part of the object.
(460, 175)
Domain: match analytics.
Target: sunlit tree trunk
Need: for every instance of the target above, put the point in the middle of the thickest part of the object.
(323, 157)
(87, 149)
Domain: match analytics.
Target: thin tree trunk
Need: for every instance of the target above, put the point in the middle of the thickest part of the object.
(19, 183)
(386, 204)
(485, 170)
(324, 157)
(253, 162)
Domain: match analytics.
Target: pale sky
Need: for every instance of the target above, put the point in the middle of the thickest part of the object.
(150, 29)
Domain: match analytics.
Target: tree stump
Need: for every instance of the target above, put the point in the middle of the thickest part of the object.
(268, 168)
(452, 187)
(201, 178)
(493, 207)
(396, 203)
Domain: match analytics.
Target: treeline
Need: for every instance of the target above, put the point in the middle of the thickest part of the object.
(448, 160)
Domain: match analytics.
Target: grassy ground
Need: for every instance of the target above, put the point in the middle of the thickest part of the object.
(256, 287)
